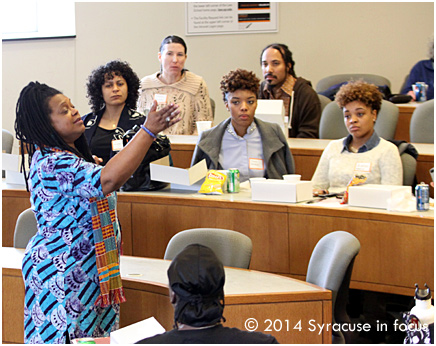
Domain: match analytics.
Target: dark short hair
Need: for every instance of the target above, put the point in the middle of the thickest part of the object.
(98, 77)
(285, 53)
(197, 278)
(239, 79)
(173, 39)
(367, 93)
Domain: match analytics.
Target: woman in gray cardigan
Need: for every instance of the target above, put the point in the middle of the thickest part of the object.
(255, 147)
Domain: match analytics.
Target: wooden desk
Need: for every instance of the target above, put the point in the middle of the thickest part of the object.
(283, 235)
(403, 126)
(248, 294)
(306, 153)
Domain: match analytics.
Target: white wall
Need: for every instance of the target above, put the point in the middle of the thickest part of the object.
(325, 38)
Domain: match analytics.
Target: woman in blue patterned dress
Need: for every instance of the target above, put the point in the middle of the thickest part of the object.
(70, 267)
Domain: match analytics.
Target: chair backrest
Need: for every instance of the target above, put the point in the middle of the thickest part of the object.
(330, 267)
(232, 248)
(422, 123)
(332, 126)
(387, 120)
(329, 81)
(324, 101)
(409, 169)
(7, 141)
(25, 228)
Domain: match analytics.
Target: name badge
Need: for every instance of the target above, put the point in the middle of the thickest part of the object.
(255, 164)
(363, 167)
(161, 98)
(117, 144)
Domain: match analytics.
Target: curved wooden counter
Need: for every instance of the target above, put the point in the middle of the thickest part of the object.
(248, 294)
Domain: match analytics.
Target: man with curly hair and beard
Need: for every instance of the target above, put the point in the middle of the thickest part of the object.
(302, 105)
(255, 147)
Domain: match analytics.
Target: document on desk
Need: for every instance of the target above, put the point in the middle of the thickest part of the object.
(137, 331)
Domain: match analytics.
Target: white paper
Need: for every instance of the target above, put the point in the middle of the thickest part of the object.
(272, 111)
(12, 177)
(180, 176)
(10, 162)
(137, 331)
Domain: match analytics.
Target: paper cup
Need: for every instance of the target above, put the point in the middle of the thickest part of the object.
(292, 178)
(203, 125)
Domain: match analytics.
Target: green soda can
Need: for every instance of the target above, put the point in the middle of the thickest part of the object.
(84, 341)
(233, 180)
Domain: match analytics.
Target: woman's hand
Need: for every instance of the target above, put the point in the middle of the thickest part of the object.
(97, 159)
(317, 192)
(412, 93)
(121, 166)
(158, 121)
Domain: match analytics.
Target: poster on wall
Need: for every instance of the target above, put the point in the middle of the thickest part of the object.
(212, 18)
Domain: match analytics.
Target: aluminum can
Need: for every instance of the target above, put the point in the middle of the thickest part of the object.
(422, 197)
(84, 341)
(422, 92)
(233, 180)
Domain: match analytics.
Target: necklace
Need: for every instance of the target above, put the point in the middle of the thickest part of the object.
(353, 149)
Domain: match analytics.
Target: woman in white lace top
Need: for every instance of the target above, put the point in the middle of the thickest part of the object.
(181, 87)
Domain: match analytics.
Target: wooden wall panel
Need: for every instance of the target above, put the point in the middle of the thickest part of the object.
(124, 212)
(11, 208)
(154, 225)
(12, 301)
(285, 318)
(386, 247)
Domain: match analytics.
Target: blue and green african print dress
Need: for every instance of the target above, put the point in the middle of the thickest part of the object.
(59, 265)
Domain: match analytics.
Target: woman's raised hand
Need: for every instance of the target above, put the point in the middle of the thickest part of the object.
(158, 121)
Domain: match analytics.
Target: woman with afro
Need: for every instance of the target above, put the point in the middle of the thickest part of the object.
(362, 152)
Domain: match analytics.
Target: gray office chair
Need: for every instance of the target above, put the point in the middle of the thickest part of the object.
(7, 143)
(324, 101)
(409, 165)
(387, 120)
(330, 81)
(422, 123)
(331, 125)
(25, 228)
(232, 248)
(330, 267)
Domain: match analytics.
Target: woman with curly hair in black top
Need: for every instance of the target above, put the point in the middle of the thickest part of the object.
(112, 90)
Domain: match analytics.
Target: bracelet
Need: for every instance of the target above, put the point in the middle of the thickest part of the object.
(148, 131)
